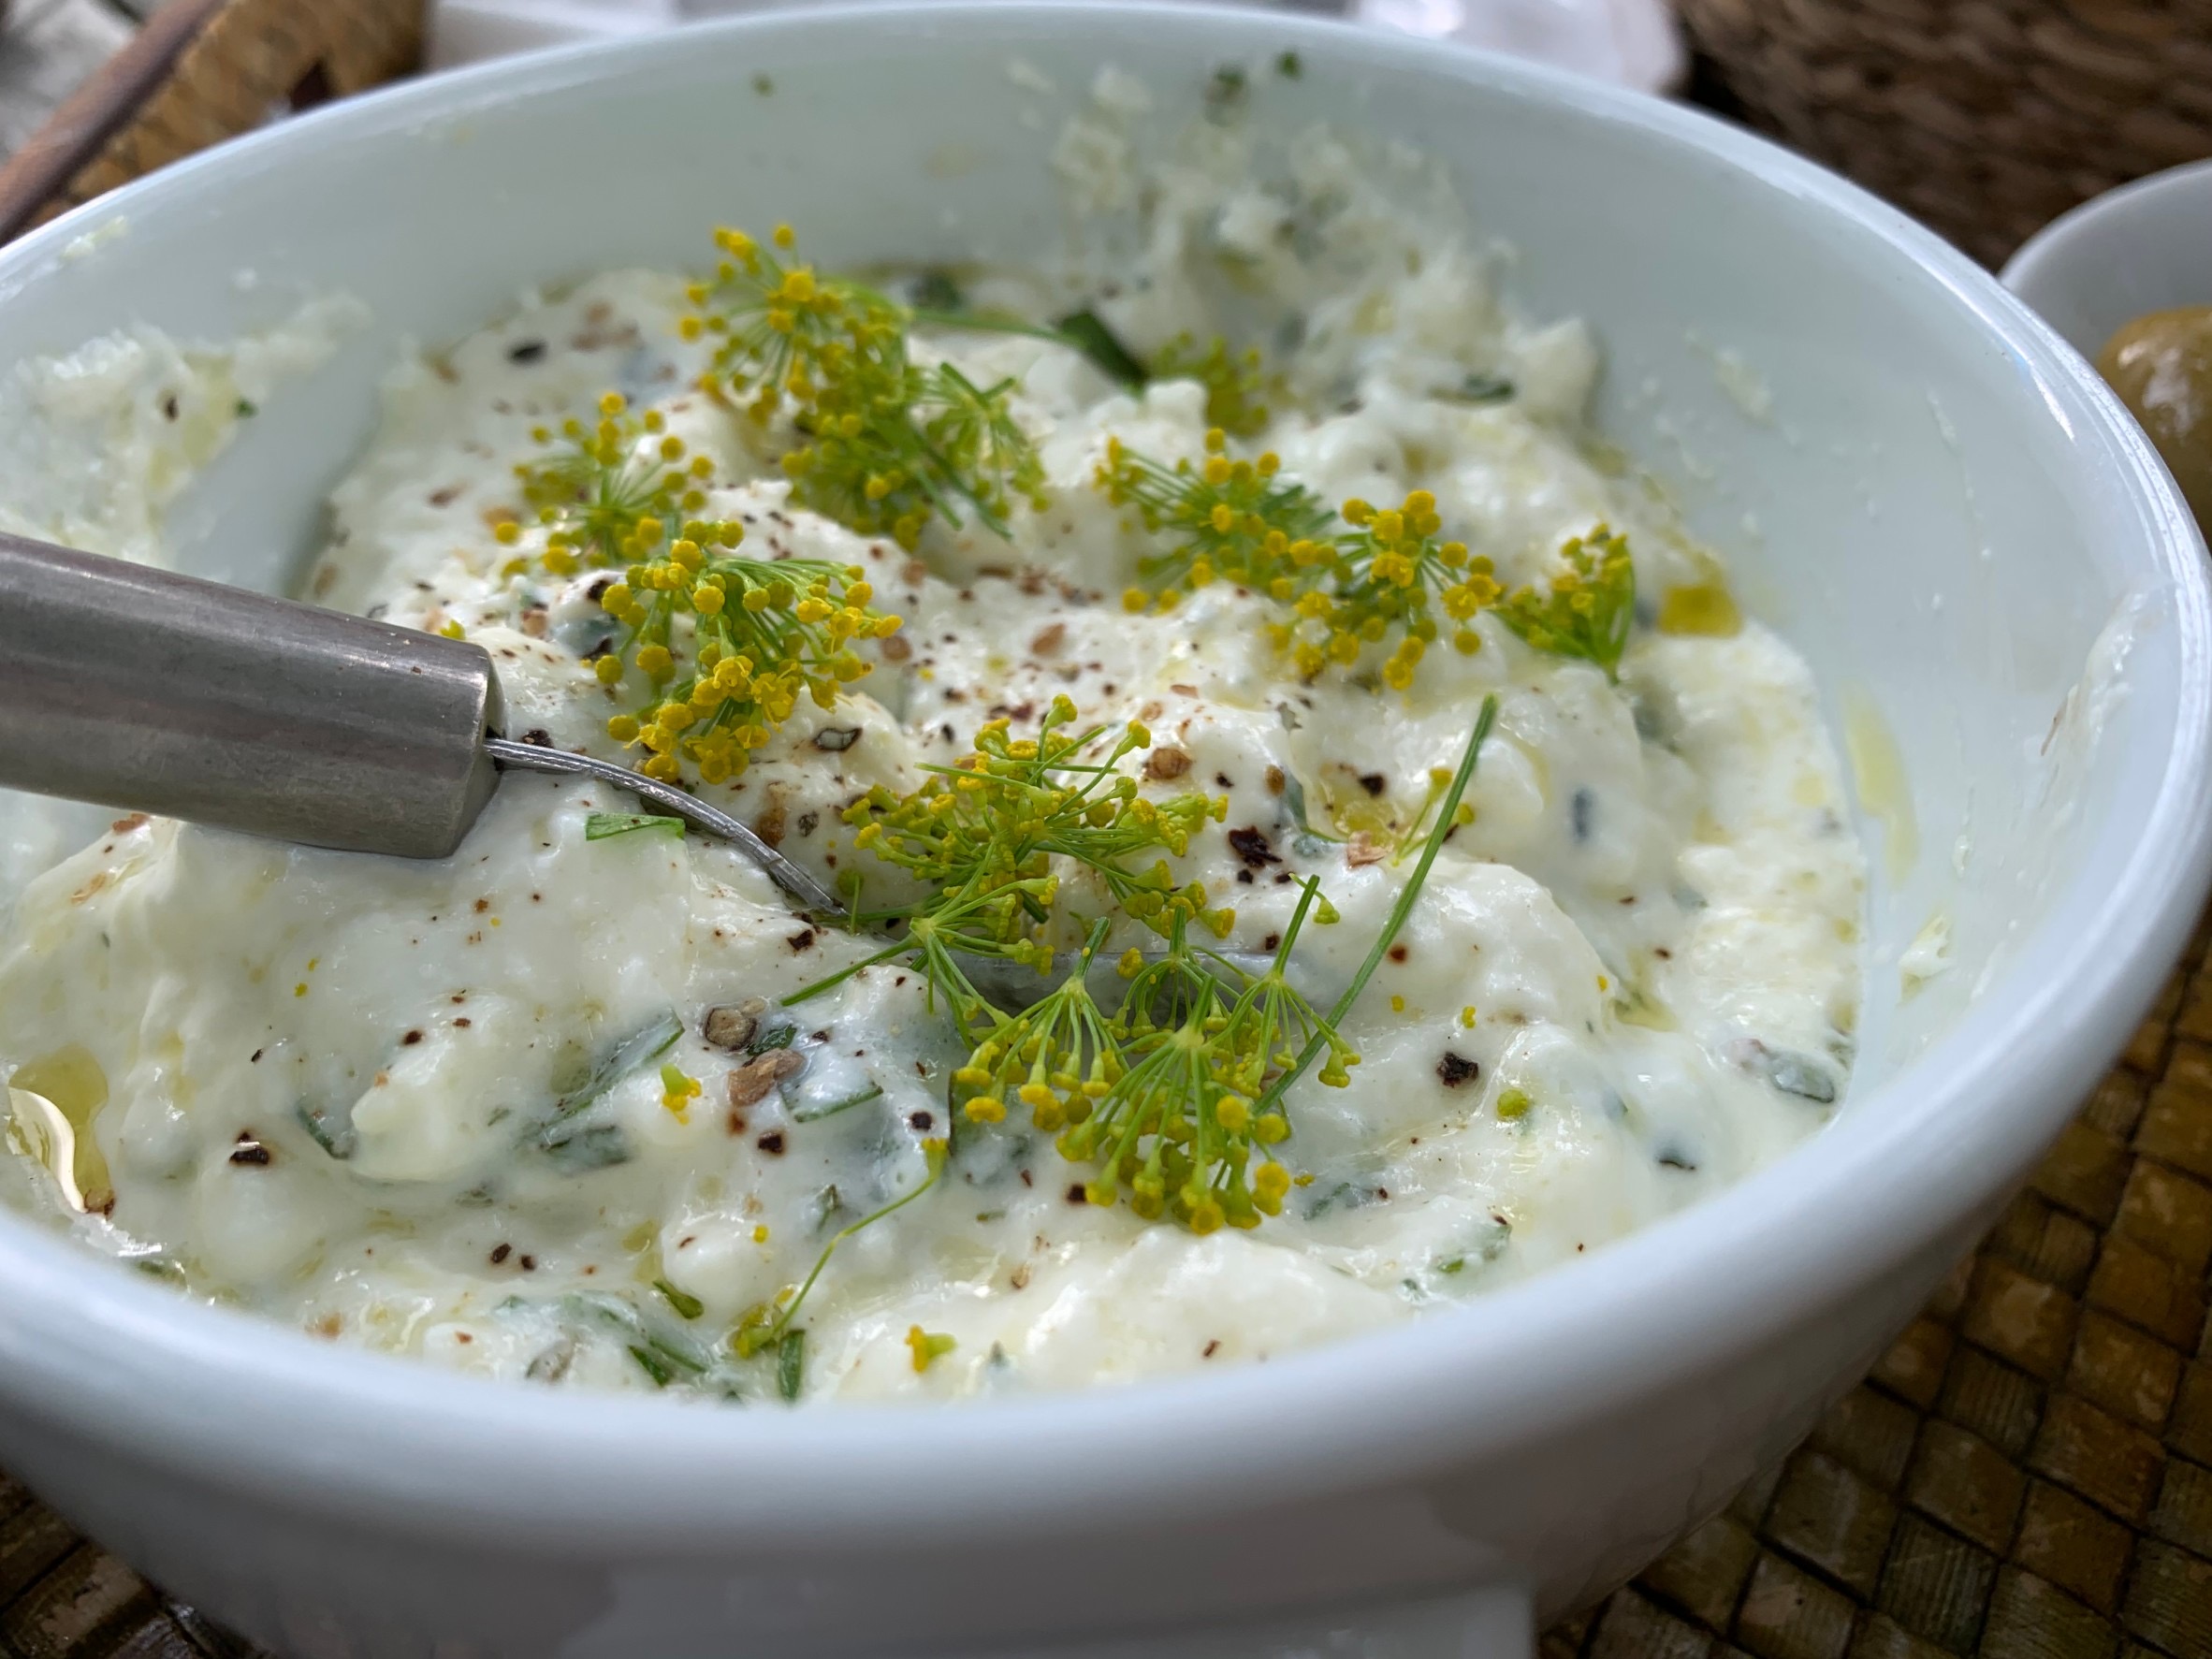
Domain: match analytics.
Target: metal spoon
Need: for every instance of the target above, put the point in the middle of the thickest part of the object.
(145, 690)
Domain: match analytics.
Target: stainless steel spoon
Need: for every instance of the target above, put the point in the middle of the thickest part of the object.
(148, 691)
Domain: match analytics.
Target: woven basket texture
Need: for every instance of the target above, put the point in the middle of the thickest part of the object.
(253, 58)
(1986, 118)
(2027, 1473)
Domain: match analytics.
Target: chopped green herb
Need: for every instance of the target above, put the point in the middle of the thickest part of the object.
(809, 1112)
(773, 1037)
(1081, 331)
(596, 1148)
(335, 1138)
(1084, 332)
(601, 825)
(247, 408)
(689, 1307)
(165, 1266)
(1483, 388)
(652, 1365)
(1294, 803)
(764, 1327)
(790, 1363)
(1226, 93)
(1794, 1074)
(936, 290)
(1289, 66)
(580, 1151)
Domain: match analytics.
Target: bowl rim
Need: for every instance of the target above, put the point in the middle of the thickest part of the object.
(2090, 218)
(131, 1368)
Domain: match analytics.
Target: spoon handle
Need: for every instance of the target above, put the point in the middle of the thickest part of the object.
(142, 689)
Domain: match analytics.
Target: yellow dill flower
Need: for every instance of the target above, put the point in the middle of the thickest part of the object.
(678, 1090)
(927, 1345)
(1227, 520)
(1589, 606)
(885, 443)
(1186, 1068)
(1234, 381)
(729, 643)
(1378, 576)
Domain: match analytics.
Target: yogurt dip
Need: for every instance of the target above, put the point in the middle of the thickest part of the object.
(539, 1111)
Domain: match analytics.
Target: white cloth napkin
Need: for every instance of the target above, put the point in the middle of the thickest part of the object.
(1632, 42)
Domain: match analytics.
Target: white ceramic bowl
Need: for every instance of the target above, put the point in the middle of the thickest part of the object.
(2147, 246)
(1944, 510)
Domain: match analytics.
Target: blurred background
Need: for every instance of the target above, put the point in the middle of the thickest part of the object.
(1986, 118)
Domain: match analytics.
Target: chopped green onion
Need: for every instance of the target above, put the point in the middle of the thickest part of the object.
(596, 1148)
(1088, 334)
(790, 1363)
(689, 1307)
(1483, 388)
(779, 1037)
(810, 1112)
(600, 825)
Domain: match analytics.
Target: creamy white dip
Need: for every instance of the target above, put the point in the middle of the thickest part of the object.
(1630, 980)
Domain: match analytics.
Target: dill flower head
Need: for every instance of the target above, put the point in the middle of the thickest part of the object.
(719, 647)
(1372, 577)
(984, 831)
(1190, 1066)
(1587, 610)
(595, 486)
(1393, 570)
(1224, 520)
(1235, 382)
(885, 443)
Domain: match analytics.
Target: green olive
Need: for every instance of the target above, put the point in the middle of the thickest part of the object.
(2161, 367)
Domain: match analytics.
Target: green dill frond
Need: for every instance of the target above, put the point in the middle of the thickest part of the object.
(597, 487)
(1176, 1127)
(1589, 606)
(886, 443)
(1223, 520)
(723, 647)
(972, 446)
(988, 828)
(1175, 1099)
(981, 836)
(1235, 382)
(1368, 577)
(1392, 572)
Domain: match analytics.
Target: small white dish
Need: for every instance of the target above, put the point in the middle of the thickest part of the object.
(2144, 247)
